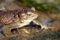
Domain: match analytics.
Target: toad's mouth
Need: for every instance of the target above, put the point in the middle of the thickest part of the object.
(32, 24)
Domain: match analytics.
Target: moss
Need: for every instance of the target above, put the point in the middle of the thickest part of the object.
(44, 6)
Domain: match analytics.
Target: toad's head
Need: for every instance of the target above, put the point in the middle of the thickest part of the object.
(28, 15)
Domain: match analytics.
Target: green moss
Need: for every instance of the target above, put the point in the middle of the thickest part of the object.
(41, 6)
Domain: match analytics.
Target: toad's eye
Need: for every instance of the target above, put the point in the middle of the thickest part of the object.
(29, 13)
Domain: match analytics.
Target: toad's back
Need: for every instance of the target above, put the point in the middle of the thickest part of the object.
(9, 16)
(6, 17)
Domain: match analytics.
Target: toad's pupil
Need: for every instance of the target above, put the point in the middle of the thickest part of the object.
(29, 14)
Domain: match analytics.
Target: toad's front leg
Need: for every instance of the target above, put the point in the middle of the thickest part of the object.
(42, 23)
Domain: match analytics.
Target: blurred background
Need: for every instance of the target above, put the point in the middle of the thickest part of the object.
(42, 5)
(33, 33)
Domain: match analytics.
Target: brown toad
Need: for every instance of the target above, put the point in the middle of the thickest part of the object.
(18, 17)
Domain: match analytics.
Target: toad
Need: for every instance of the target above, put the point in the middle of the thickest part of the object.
(20, 17)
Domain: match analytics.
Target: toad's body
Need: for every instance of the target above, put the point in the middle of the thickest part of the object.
(18, 17)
